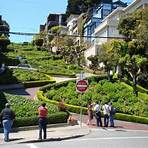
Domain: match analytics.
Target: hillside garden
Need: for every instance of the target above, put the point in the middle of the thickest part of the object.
(103, 91)
(27, 110)
(44, 62)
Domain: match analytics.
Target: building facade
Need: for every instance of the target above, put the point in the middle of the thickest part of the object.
(97, 14)
(107, 29)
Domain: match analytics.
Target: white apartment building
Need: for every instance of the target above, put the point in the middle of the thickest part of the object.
(108, 28)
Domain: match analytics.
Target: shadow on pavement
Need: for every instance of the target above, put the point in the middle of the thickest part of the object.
(21, 92)
(52, 139)
(14, 139)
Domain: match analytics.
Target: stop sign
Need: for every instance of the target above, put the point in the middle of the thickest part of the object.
(81, 85)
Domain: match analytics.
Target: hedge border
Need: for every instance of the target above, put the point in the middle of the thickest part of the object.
(131, 118)
(139, 88)
(65, 83)
(30, 84)
(76, 109)
(59, 117)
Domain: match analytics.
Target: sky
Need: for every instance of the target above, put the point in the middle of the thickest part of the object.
(27, 15)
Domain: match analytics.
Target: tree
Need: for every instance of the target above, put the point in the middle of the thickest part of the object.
(135, 27)
(142, 29)
(4, 34)
(128, 25)
(110, 54)
(134, 61)
(94, 63)
(4, 27)
(80, 25)
(4, 42)
(38, 41)
(79, 53)
(80, 6)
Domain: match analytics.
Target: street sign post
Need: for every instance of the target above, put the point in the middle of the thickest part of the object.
(81, 85)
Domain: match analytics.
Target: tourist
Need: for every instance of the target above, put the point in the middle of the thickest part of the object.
(89, 112)
(111, 115)
(106, 114)
(97, 113)
(42, 120)
(7, 117)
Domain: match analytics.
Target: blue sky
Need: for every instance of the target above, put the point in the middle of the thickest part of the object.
(27, 15)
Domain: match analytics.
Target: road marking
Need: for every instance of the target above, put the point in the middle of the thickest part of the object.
(32, 145)
(109, 138)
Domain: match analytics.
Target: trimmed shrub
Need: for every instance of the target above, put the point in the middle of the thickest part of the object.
(139, 88)
(59, 117)
(100, 90)
(76, 109)
(131, 118)
(37, 83)
(71, 108)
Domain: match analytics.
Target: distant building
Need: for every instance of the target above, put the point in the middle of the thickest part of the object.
(55, 20)
(71, 23)
(42, 28)
(51, 21)
(97, 14)
(107, 29)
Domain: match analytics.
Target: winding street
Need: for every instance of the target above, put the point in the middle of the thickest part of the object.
(31, 92)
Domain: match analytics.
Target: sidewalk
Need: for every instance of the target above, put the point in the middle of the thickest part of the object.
(63, 131)
(118, 124)
(54, 133)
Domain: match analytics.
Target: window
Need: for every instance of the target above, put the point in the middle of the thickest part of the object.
(106, 12)
(107, 6)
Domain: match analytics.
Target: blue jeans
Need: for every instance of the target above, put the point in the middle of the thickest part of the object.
(111, 117)
(42, 127)
(7, 124)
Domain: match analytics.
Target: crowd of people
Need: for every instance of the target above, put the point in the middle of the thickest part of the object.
(107, 111)
(7, 116)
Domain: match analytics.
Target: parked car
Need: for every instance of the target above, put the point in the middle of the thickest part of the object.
(23, 66)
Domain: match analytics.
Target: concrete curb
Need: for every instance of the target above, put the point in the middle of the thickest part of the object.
(25, 128)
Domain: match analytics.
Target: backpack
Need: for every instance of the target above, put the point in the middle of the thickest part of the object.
(113, 110)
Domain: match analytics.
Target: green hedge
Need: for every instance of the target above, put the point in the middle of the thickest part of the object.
(59, 74)
(65, 83)
(139, 88)
(37, 83)
(131, 118)
(76, 109)
(59, 117)
(71, 108)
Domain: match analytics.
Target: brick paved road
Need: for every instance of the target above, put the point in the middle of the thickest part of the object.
(118, 123)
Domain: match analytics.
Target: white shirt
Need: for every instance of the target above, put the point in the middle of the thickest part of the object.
(97, 108)
(106, 109)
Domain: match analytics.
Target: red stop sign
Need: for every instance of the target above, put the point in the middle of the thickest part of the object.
(81, 85)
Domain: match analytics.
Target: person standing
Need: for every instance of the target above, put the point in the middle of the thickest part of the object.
(106, 114)
(42, 120)
(89, 112)
(111, 115)
(98, 114)
(7, 116)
